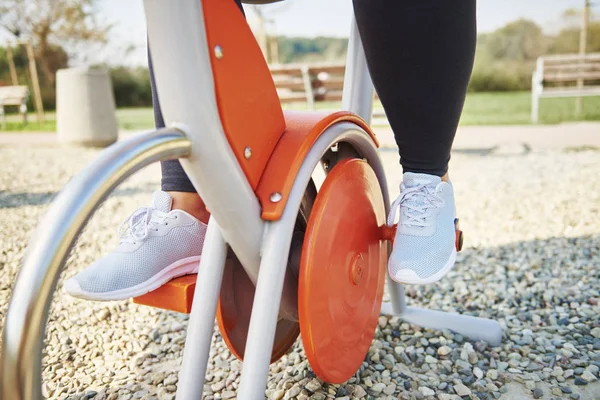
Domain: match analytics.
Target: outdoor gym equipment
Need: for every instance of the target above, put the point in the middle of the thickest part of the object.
(279, 257)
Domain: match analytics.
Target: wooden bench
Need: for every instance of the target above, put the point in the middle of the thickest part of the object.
(293, 83)
(564, 75)
(311, 83)
(13, 96)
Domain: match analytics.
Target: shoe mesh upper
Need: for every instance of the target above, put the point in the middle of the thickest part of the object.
(121, 269)
(130, 265)
(425, 255)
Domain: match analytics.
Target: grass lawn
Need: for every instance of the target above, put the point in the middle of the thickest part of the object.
(499, 108)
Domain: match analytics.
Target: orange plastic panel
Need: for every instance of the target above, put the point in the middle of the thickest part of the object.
(459, 235)
(303, 129)
(342, 271)
(234, 311)
(175, 295)
(246, 95)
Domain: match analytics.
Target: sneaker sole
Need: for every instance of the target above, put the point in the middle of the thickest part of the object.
(179, 268)
(415, 280)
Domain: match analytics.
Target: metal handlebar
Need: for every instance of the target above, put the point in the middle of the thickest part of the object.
(27, 315)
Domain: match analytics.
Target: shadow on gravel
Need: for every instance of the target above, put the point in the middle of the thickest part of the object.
(21, 199)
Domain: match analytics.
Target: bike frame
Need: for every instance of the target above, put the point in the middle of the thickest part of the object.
(195, 134)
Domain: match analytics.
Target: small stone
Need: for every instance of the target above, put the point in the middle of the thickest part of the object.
(462, 390)
(478, 372)
(383, 321)
(492, 374)
(359, 391)
(533, 367)
(566, 389)
(447, 396)
(154, 335)
(425, 391)
(378, 387)
(218, 386)
(228, 394)
(596, 332)
(176, 327)
(569, 373)
(580, 382)
(537, 393)
(313, 385)
(444, 350)
(588, 376)
(139, 394)
(171, 380)
(375, 357)
(473, 358)
(103, 314)
(390, 389)
(294, 391)
(278, 394)
(430, 360)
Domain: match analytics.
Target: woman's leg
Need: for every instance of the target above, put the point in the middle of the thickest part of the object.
(420, 56)
(174, 179)
(159, 243)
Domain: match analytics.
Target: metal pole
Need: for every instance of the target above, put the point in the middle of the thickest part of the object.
(39, 107)
(27, 315)
(357, 96)
(202, 318)
(582, 50)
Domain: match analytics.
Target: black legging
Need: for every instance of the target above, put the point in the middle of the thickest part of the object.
(420, 56)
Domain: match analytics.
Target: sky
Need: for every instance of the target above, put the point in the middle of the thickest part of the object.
(306, 18)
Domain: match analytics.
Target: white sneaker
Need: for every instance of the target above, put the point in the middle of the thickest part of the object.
(425, 242)
(157, 244)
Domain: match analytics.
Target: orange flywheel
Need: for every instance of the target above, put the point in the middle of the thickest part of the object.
(342, 271)
(235, 308)
(237, 293)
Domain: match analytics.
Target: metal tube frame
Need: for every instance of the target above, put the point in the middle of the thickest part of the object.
(201, 327)
(27, 315)
(276, 244)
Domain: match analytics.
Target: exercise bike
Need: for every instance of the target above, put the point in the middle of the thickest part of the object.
(281, 258)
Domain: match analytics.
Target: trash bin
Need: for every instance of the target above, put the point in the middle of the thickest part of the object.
(85, 107)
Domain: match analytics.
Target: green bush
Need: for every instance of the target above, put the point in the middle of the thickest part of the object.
(131, 86)
(500, 76)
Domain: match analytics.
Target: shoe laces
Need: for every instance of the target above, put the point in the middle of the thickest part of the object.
(416, 204)
(139, 225)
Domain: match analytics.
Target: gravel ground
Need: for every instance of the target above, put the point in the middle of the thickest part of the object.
(532, 258)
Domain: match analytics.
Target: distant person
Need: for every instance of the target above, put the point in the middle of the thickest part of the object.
(420, 56)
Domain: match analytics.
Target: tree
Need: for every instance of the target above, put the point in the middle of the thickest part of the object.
(50, 24)
(519, 40)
